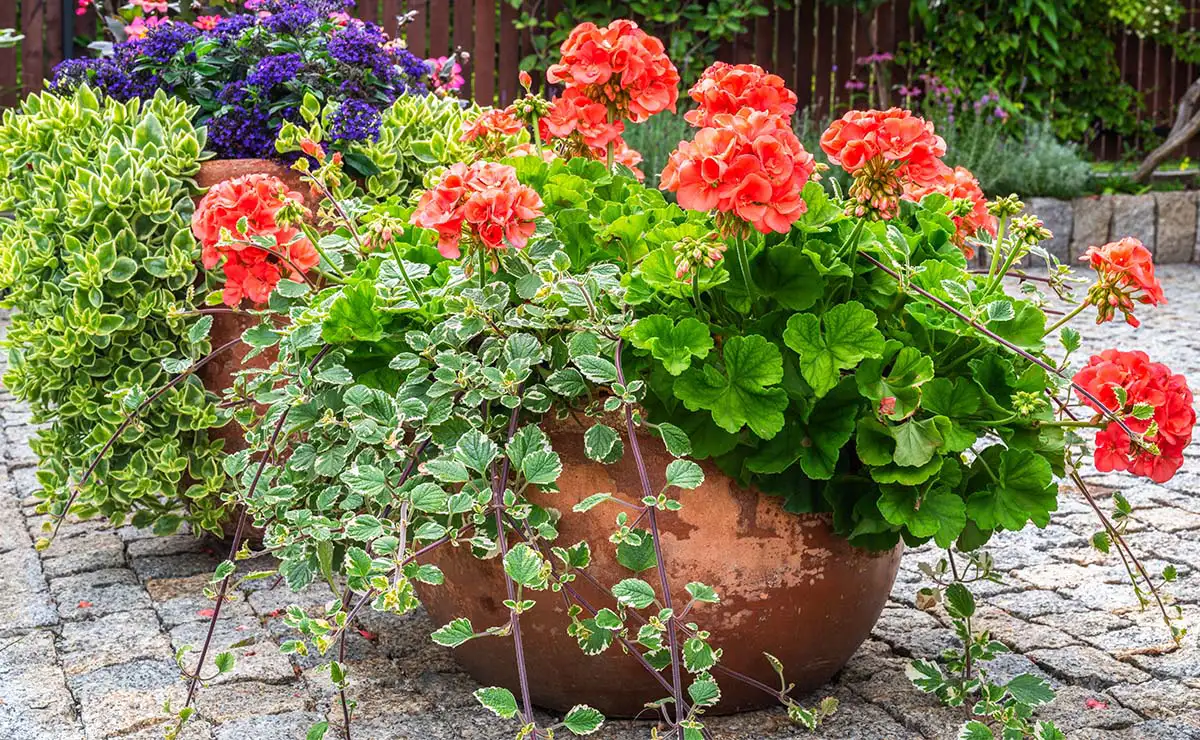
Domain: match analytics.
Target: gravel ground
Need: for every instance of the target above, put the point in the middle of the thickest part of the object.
(88, 628)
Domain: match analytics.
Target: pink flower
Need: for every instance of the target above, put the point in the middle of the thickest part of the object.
(750, 165)
(207, 22)
(484, 199)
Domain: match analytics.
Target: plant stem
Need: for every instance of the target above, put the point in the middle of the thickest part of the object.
(1122, 545)
(268, 455)
(128, 422)
(1067, 423)
(345, 702)
(404, 274)
(994, 252)
(852, 241)
(482, 267)
(656, 537)
(739, 248)
(498, 484)
(1070, 315)
(1105, 410)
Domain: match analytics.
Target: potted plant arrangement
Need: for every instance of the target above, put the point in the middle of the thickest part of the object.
(689, 437)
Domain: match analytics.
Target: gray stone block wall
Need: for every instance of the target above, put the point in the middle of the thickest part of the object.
(1167, 223)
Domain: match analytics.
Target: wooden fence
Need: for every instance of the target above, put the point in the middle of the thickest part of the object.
(814, 46)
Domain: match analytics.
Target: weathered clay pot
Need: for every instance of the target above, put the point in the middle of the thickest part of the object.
(218, 170)
(218, 374)
(788, 586)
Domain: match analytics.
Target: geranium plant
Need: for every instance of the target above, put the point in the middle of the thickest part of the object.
(837, 351)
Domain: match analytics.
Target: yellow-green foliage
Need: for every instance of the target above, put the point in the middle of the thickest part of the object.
(97, 257)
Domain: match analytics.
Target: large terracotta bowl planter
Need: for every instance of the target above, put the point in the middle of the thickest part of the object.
(788, 586)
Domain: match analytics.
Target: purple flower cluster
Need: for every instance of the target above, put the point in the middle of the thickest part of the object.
(354, 120)
(255, 78)
(272, 71)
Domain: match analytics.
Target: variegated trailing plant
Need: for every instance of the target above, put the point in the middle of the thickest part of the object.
(837, 350)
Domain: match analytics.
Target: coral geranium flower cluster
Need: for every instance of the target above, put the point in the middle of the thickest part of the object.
(619, 65)
(609, 75)
(233, 213)
(886, 152)
(727, 88)
(749, 165)
(1125, 271)
(1167, 430)
(492, 130)
(959, 184)
(486, 201)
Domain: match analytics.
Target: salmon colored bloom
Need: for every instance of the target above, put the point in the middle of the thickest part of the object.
(887, 152)
(726, 88)
(498, 121)
(959, 184)
(1168, 428)
(486, 201)
(580, 122)
(1125, 271)
(749, 165)
(619, 66)
(252, 202)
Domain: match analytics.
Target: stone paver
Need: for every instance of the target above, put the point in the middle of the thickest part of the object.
(89, 628)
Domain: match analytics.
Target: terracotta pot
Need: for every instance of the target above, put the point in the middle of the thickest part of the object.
(218, 374)
(788, 586)
(217, 170)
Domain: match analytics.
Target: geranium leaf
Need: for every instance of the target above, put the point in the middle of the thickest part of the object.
(941, 513)
(455, 633)
(789, 276)
(602, 444)
(742, 395)
(674, 344)
(526, 566)
(916, 442)
(1024, 492)
(843, 337)
(634, 592)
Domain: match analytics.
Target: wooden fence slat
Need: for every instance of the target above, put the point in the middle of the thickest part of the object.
(806, 49)
(391, 9)
(9, 89)
(33, 17)
(368, 10)
(463, 34)
(764, 42)
(485, 52)
(54, 34)
(823, 60)
(415, 29)
(439, 28)
(785, 46)
(506, 71)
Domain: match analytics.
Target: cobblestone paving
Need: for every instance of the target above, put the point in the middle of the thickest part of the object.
(88, 629)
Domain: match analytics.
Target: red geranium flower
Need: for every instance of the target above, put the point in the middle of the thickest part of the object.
(251, 201)
(726, 88)
(886, 151)
(494, 121)
(620, 66)
(1143, 383)
(483, 199)
(580, 121)
(1126, 275)
(959, 184)
(749, 165)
